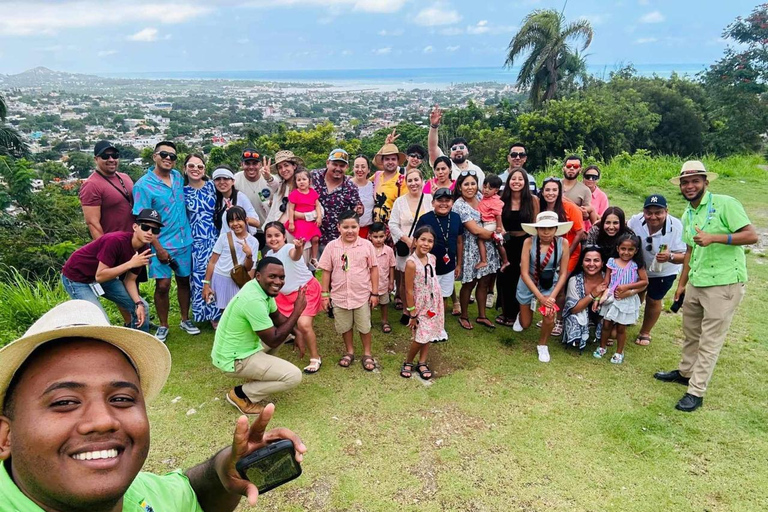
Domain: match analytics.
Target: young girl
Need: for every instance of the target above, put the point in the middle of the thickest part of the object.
(619, 305)
(304, 199)
(424, 303)
(386, 259)
(297, 276)
(544, 256)
(218, 285)
(350, 272)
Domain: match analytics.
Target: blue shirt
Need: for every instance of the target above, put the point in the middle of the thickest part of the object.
(448, 229)
(151, 192)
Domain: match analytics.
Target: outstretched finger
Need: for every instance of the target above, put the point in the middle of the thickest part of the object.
(277, 434)
(256, 432)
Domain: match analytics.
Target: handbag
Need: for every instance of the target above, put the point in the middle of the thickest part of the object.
(401, 248)
(239, 274)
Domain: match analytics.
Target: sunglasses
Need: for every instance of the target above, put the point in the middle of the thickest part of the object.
(345, 262)
(415, 155)
(591, 177)
(200, 167)
(552, 178)
(339, 154)
(573, 166)
(146, 227)
(167, 154)
(250, 155)
(458, 147)
(514, 154)
(283, 205)
(107, 156)
(470, 172)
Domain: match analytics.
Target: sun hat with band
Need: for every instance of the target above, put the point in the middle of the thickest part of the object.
(286, 156)
(388, 149)
(693, 168)
(547, 220)
(81, 319)
(222, 172)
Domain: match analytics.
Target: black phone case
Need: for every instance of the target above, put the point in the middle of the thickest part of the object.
(249, 460)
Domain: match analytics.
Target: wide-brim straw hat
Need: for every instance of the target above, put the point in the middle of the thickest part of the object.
(547, 220)
(388, 149)
(693, 168)
(81, 319)
(283, 156)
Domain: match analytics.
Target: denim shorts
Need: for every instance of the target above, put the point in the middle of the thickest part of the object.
(659, 286)
(182, 256)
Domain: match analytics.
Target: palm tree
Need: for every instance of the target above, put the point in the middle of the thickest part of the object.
(545, 34)
(11, 142)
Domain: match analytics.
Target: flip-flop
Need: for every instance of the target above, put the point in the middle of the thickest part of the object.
(456, 312)
(643, 340)
(464, 322)
(386, 328)
(481, 320)
(506, 322)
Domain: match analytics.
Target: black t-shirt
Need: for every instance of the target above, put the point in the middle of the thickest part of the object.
(448, 229)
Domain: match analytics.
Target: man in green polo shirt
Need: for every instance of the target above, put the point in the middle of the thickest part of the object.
(250, 319)
(713, 281)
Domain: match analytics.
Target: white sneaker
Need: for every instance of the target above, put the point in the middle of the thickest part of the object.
(188, 327)
(543, 353)
(161, 333)
(518, 327)
(490, 301)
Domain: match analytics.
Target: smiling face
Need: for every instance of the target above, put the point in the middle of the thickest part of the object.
(286, 169)
(271, 278)
(275, 238)
(517, 161)
(693, 187)
(195, 169)
(516, 182)
(336, 169)
(627, 250)
(550, 192)
(593, 263)
(237, 226)
(424, 243)
(349, 230)
(459, 153)
(224, 185)
(415, 183)
(469, 188)
(108, 165)
(251, 169)
(611, 225)
(361, 168)
(164, 164)
(79, 433)
(442, 172)
(389, 163)
(442, 206)
(655, 217)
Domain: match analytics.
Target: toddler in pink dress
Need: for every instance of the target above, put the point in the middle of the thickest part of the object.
(305, 200)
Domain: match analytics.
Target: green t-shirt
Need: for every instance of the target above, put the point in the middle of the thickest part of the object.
(715, 264)
(246, 313)
(168, 493)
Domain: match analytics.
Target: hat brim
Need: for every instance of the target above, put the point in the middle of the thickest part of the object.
(294, 160)
(710, 176)
(401, 157)
(562, 227)
(148, 354)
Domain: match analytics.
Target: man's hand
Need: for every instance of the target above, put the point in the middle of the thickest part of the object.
(141, 314)
(392, 137)
(163, 256)
(266, 166)
(141, 259)
(702, 238)
(663, 257)
(244, 442)
(584, 212)
(301, 299)
(680, 290)
(325, 302)
(436, 115)
(374, 301)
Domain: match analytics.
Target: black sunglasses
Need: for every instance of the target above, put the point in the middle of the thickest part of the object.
(416, 155)
(591, 177)
(552, 178)
(167, 154)
(107, 156)
(470, 172)
(514, 154)
(146, 227)
(283, 204)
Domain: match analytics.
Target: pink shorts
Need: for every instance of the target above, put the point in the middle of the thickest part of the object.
(314, 304)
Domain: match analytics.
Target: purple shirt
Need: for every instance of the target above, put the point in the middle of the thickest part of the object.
(112, 249)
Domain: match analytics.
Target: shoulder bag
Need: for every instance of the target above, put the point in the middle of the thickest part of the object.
(239, 274)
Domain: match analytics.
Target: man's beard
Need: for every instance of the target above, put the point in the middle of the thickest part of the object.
(459, 159)
(695, 198)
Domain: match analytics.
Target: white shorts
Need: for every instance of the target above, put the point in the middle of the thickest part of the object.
(446, 283)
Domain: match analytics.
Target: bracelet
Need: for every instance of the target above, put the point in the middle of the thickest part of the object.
(205, 281)
(435, 126)
(730, 239)
(138, 303)
(412, 308)
(325, 294)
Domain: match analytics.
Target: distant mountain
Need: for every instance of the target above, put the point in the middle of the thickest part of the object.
(47, 78)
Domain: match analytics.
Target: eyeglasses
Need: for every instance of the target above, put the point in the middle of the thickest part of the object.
(250, 154)
(573, 166)
(146, 227)
(167, 154)
(345, 262)
(470, 172)
(649, 240)
(458, 147)
(514, 154)
(200, 167)
(591, 177)
(415, 155)
(107, 156)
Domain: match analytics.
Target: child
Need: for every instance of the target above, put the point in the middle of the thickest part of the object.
(304, 199)
(297, 276)
(350, 272)
(424, 303)
(490, 209)
(619, 305)
(218, 285)
(544, 255)
(385, 256)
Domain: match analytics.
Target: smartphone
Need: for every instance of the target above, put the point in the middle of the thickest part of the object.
(675, 307)
(271, 466)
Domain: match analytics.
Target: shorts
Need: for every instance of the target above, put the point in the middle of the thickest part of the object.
(182, 256)
(400, 262)
(345, 319)
(314, 302)
(659, 286)
(446, 283)
(384, 299)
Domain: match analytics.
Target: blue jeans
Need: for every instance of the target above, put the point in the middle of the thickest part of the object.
(115, 291)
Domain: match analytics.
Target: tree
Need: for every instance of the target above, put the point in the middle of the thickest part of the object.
(79, 163)
(545, 35)
(11, 141)
(51, 170)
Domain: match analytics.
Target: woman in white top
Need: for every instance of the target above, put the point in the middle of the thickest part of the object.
(362, 168)
(297, 276)
(218, 285)
(228, 196)
(285, 165)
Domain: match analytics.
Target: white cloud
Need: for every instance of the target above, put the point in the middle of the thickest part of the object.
(646, 40)
(346, 52)
(595, 19)
(38, 17)
(436, 15)
(452, 48)
(391, 33)
(428, 49)
(375, 6)
(106, 53)
(652, 17)
(452, 31)
(480, 28)
(383, 51)
(144, 36)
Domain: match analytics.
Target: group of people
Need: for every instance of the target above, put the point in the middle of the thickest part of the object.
(395, 238)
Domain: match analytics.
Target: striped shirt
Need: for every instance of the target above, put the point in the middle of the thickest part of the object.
(350, 267)
(626, 275)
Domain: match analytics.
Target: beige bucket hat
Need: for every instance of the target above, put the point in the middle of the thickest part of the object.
(388, 149)
(81, 319)
(693, 168)
(547, 220)
(285, 155)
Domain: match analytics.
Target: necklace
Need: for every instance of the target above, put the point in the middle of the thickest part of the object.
(445, 233)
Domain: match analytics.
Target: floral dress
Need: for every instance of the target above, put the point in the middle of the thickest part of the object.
(577, 324)
(471, 256)
(428, 299)
(200, 204)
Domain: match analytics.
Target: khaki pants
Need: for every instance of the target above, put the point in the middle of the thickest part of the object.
(707, 315)
(266, 374)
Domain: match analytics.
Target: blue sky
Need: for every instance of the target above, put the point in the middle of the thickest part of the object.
(218, 35)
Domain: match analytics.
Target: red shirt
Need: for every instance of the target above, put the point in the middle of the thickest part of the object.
(112, 249)
(116, 206)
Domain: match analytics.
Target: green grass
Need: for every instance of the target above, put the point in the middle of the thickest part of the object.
(497, 430)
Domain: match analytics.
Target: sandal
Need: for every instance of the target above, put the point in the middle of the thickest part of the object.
(386, 328)
(464, 322)
(367, 361)
(481, 320)
(424, 371)
(398, 304)
(456, 311)
(643, 340)
(346, 360)
(406, 370)
(313, 366)
(557, 330)
(506, 322)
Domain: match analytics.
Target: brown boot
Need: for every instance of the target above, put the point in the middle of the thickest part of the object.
(243, 405)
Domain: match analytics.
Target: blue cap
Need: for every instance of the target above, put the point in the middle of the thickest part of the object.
(655, 200)
(340, 155)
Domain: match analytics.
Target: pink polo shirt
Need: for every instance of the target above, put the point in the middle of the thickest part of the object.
(386, 260)
(351, 288)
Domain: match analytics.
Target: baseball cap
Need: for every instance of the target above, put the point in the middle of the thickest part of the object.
(250, 154)
(340, 155)
(81, 319)
(149, 215)
(102, 146)
(221, 172)
(655, 200)
(442, 192)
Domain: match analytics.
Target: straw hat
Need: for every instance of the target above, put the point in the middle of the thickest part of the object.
(388, 149)
(283, 156)
(547, 220)
(81, 319)
(693, 168)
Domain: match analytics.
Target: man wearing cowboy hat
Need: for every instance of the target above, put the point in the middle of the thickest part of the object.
(388, 183)
(713, 281)
(459, 150)
(74, 432)
(337, 193)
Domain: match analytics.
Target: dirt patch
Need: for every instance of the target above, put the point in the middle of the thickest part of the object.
(314, 497)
